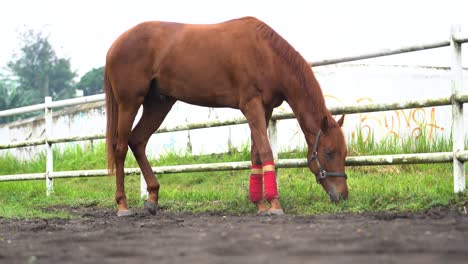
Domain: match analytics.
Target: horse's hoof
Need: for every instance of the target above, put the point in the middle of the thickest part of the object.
(276, 212)
(151, 207)
(123, 213)
(263, 213)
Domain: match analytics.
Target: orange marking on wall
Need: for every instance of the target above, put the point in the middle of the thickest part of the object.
(414, 121)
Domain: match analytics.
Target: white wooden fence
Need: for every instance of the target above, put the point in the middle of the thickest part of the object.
(458, 155)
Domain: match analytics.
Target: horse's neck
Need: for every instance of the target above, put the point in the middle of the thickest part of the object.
(308, 105)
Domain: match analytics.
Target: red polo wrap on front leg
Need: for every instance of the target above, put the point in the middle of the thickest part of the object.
(269, 178)
(256, 184)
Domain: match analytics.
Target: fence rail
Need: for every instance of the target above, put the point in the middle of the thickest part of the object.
(397, 159)
(458, 155)
(387, 52)
(335, 110)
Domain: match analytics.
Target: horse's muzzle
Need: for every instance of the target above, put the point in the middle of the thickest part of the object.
(336, 196)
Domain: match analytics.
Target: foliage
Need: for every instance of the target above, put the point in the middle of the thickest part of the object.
(39, 71)
(92, 82)
(10, 97)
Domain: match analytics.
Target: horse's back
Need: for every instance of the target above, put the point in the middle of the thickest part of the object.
(158, 38)
(193, 62)
(142, 41)
(222, 60)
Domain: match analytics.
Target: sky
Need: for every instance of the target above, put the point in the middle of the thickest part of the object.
(319, 29)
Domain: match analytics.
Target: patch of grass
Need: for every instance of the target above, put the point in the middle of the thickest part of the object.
(26, 199)
(11, 165)
(394, 189)
(379, 188)
(359, 144)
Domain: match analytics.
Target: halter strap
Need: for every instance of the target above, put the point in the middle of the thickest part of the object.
(322, 174)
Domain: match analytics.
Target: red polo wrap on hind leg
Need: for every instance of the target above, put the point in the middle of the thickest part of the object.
(269, 178)
(256, 184)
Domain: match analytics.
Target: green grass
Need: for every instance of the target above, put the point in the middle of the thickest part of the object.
(358, 145)
(372, 189)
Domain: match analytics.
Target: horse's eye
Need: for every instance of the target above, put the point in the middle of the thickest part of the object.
(329, 154)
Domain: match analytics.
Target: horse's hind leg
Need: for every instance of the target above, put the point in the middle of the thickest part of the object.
(154, 112)
(127, 112)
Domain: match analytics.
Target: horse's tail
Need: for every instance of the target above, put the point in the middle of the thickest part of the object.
(111, 128)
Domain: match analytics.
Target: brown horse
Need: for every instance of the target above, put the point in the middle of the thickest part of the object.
(241, 64)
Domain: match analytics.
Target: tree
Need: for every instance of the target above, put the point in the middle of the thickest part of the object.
(4, 96)
(92, 82)
(11, 98)
(39, 71)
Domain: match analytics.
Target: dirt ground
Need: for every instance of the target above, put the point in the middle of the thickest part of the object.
(98, 236)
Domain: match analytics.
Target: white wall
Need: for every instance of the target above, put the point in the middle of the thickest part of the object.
(341, 84)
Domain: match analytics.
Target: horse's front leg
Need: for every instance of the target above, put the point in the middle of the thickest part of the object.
(256, 181)
(255, 113)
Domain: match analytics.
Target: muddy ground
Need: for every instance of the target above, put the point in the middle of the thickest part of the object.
(98, 236)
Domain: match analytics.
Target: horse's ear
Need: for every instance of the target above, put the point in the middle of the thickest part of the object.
(324, 125)
(341, 120)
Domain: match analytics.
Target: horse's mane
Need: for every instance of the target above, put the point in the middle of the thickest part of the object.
(282, 48)
(300, 68)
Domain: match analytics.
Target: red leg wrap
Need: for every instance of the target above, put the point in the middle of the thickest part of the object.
(256, 185)
(269, 177)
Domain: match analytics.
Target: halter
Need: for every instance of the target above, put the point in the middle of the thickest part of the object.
(322, 174)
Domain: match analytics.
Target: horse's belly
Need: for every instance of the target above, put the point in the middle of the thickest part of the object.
(200, 88)
(204, 97)
(209, 101)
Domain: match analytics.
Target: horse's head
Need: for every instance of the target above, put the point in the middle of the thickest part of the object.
(326, 159)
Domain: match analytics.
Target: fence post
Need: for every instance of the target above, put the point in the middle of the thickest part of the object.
(273, 138)
(458, 133)
(48, 146)
(143, 187)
